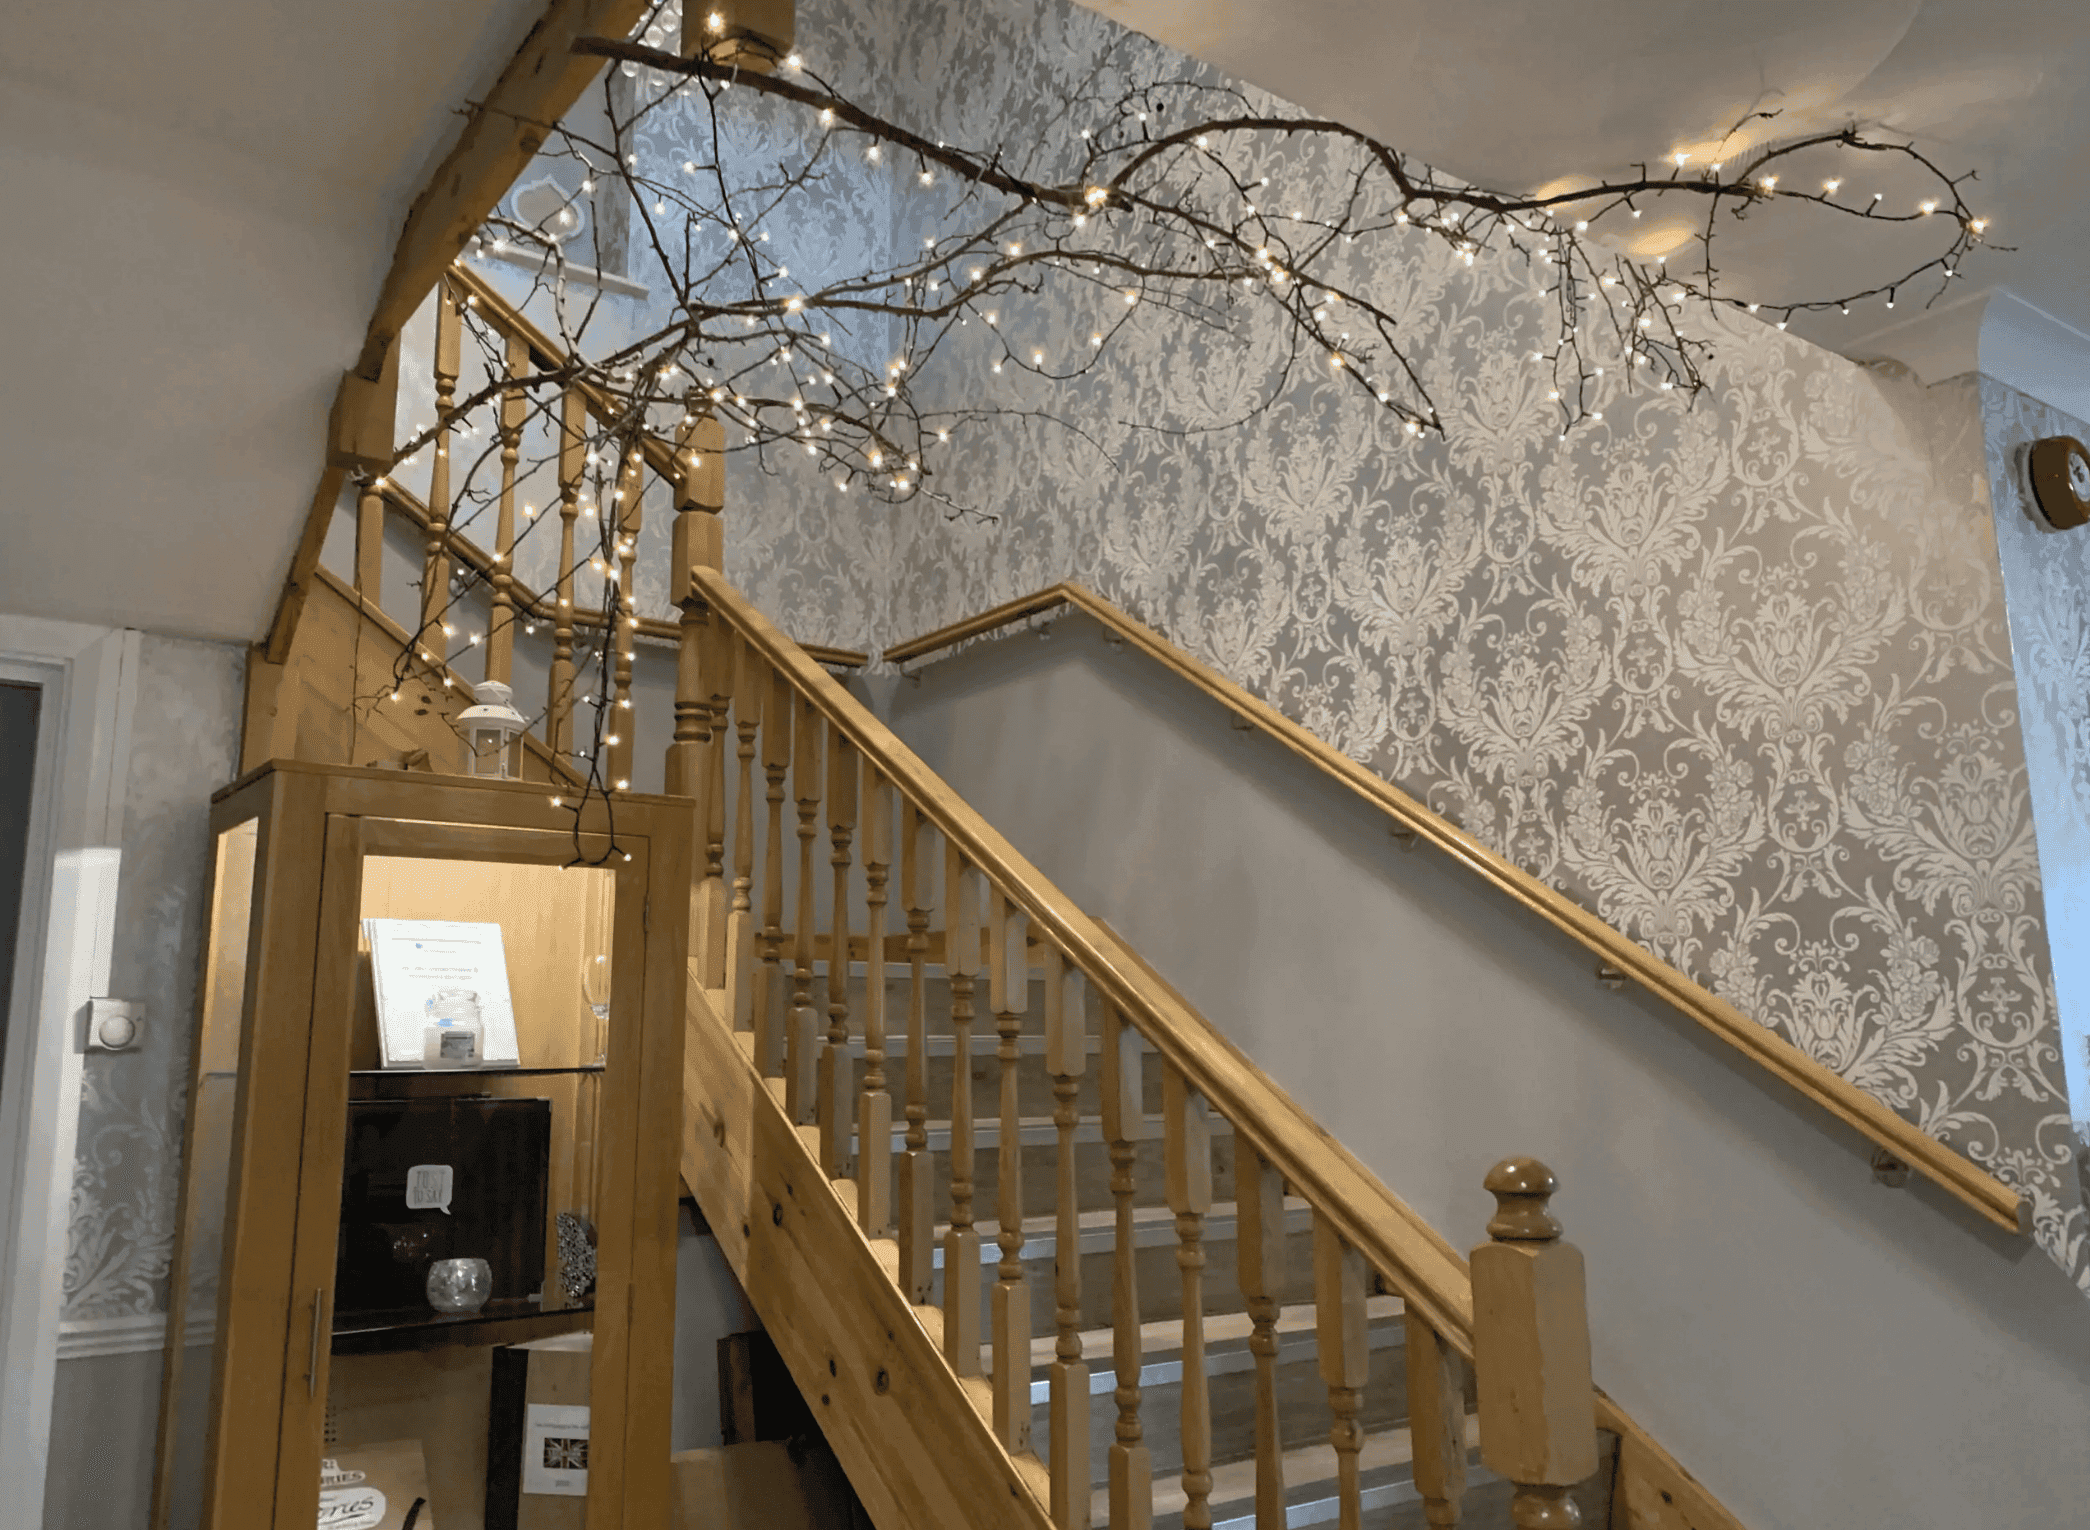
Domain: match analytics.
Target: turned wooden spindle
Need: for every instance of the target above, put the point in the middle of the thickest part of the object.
(1066, 1059)
(1124, 1125)
(1531, 1350)
(772, 993)
(1187, 1138)
(964, 888)
(921, 854)
(714, 899)
(1342, 1338)
(1436, 1420)
(802, 1033)
(435, 564)
(837, 1075)
(620, 735)
(370, 540)
(1008, 995)
(749, 689)
(1259, 1248)
(501, 618)
(573, 447)
(874, 1111)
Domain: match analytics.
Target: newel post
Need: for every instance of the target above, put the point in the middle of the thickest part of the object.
(1531, 1350)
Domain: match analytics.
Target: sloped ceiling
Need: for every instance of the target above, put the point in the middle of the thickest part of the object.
(201, 201)
(1521, 93)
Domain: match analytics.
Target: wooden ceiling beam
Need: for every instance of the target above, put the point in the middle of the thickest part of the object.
(537, 88)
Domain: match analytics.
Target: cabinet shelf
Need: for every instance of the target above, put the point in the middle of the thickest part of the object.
(498, 1322)
(501, 1072)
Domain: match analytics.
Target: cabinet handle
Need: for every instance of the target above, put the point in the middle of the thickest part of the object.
(312, 1364)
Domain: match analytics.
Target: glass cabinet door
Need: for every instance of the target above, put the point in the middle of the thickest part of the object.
(469, 1025)
(189, 1380)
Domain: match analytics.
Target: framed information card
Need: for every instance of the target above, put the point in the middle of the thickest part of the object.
(416, 965)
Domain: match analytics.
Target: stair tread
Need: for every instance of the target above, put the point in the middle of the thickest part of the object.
(1309, 1475)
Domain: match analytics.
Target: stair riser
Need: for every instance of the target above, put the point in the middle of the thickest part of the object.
(1034, 1086)
(1302, 1406)
(1040, 1178)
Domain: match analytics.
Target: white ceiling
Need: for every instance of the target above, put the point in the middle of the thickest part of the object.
(202, 201)
(1521, 93)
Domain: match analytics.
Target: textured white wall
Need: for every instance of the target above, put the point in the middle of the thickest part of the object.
(1820, 1350)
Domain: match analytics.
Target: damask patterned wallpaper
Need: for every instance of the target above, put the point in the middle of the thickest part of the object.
(1735, 673)
(2046, 578)
(126, 1174)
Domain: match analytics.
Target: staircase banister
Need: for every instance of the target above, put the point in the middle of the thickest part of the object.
(510, 320)
(538, 606)
(1907, 1143)
(1394, 1240)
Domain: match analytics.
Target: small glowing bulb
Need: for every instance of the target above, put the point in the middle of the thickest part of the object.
(1830, 186)
(1929, 208)
(715, 22)
(793, 61)
(872, 154)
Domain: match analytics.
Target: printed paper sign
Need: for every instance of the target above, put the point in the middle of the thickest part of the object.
(428, 1187)
(411, 960)
(375, 1487)
(555, 1450)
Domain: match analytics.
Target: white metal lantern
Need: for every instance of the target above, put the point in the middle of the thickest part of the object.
(493, 733)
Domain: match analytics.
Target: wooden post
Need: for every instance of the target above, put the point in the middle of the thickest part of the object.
(1436, 1421)
(749, 687)
(920, 855)
(874, 1117)
(772, 1002)
(370, 540)
(628, 507)
(1343, 1342)
(500, 625)
(801, 1041)
(1188, 1160)
(573, 446)
(435, 567)
(1124, 1124)
(1531, 1350)
(963, 889)
(837, 1091)
(1008, 995)
(699, 482)
(1259, 1248)
(1066, 1059)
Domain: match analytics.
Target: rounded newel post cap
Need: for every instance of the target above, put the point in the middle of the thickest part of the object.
(1521, 1187)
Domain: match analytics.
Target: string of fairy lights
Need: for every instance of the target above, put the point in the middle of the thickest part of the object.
(1160, 208)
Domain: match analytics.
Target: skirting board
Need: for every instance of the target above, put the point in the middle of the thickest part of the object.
(131, 1334)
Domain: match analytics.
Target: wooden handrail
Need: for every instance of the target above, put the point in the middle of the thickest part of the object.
(1909, 1144)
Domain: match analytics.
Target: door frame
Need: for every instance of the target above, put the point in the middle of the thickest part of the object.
(89, 678)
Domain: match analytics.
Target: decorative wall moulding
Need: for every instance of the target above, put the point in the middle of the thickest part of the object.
(2059, 467)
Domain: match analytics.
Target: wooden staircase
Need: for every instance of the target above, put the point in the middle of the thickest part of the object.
(1038, 1245)
(1218, 1318)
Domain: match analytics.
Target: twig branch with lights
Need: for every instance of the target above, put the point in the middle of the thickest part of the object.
(1151, 215)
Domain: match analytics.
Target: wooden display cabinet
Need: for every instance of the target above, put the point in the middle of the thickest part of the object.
(263, 1377)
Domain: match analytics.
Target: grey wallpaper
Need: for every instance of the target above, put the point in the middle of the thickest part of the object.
(126, 1176)
(1734, 673)
(2046, 577)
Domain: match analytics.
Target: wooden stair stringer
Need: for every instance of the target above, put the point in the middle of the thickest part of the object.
(912, 1437)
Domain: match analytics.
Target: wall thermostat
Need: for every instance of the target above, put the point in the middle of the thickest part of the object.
(113, 1025)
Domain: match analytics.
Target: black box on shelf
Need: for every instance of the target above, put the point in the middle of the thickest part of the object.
(498, 1152)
